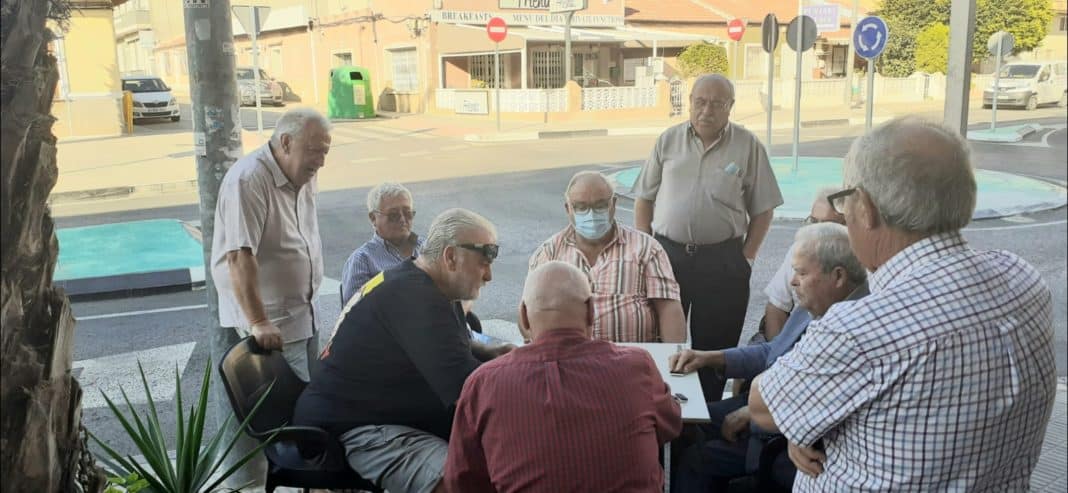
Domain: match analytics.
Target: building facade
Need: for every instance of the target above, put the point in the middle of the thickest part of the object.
(88, 98)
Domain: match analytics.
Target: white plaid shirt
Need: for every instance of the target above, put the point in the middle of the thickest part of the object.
(942, 379)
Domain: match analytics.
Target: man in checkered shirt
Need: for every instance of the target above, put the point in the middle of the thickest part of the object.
(943, 378)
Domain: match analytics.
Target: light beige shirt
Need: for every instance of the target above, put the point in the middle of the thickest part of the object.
(707, 196)
(260, 209)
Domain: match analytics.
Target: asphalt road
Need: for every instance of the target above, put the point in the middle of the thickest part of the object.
(527, 208)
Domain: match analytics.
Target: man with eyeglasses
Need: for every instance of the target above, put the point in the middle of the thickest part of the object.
(390, 211)
(707, 193)
(635, 296)
(391, 374)
(943, 378)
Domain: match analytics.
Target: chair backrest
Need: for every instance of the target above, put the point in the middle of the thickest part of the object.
(247, 371)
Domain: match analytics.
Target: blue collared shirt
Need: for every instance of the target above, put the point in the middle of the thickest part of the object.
(371, 258)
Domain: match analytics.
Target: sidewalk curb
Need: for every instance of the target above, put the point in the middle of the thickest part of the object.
(173, 278)
(629, 131)
(108, 193)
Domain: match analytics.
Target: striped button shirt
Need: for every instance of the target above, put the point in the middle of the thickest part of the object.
(564, 414)
(942, 379)
(631, 270)
(371, 258)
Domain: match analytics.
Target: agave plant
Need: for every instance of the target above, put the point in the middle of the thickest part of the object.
(196, 463)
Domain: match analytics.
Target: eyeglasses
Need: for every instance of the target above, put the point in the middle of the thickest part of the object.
(837, 199)
(600, 208)
(395, 216)
(488, 250)
(716, 105)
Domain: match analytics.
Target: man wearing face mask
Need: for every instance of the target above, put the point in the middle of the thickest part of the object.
(635, 296)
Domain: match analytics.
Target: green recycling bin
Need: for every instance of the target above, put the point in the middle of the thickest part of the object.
(350, 93)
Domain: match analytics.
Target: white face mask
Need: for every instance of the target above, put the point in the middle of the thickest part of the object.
(592, 225)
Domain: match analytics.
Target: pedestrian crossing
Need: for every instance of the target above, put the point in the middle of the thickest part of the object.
(363, 132)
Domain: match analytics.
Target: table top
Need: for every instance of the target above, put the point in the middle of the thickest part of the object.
(694, 410)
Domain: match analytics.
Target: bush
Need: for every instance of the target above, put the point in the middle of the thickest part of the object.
(932, 48)
(703, 58)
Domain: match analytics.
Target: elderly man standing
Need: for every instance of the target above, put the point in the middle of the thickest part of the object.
(825, 272)
(635, 296)
(266, 255)
(943, 378)
(565, 413)
(390, 210)
(400, 353)
(708, 194)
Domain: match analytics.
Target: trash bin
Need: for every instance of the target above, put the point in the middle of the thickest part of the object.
(350, 93)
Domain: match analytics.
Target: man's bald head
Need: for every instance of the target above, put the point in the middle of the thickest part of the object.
(556, 296)
(716, 80)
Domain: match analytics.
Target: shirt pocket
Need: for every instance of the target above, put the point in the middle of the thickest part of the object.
(725, 188)
(620, 277)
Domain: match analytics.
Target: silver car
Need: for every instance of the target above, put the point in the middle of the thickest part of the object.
(270, 90)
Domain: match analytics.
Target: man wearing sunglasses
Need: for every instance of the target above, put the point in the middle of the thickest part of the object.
(943, 378)
(390, 211)
(391, 374)
(707, 193)
(635, 296)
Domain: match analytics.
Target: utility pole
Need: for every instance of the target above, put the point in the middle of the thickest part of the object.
(209, 44)
(852, 55)
(567, 47)
(959, 73)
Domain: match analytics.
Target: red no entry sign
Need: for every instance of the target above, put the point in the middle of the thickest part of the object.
(497, 29)
(735, 29)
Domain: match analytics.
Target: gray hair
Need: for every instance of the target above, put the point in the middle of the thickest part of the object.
(448, 227)
(828, 244)
(918, 173)
(294, 121)
(587, 174)
(712, 78)
(385, 190)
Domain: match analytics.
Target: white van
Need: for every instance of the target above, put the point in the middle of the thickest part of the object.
(151, 98)
(1029, 84)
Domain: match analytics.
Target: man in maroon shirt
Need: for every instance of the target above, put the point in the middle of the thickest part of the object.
(565, 413)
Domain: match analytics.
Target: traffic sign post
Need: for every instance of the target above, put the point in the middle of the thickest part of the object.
(251, 19)
(999, 45)
(870, 38)
(497, 30)
(769, 37)
(800, 35)
(735, 31)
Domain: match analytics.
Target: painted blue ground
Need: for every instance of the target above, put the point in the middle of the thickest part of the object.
(126, 248)
(1000, 194)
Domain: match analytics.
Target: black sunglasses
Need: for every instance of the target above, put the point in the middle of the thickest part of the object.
(488, 250)
(837, 199)
(395, 216)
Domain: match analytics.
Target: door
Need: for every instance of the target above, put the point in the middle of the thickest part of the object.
(1047, 93)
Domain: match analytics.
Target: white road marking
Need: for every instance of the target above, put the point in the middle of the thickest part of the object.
(109, 373)
(413, 153)
(329, 287)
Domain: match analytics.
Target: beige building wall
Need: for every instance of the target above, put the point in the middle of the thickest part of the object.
(88, 101)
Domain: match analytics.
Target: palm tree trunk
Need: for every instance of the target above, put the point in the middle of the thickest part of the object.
(42, 446)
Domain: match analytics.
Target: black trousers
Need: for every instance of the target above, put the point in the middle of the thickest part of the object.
(714, 284)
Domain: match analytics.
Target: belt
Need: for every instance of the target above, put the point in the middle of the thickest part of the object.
(695, 248)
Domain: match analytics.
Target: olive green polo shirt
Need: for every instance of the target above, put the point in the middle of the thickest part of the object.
(707, 196)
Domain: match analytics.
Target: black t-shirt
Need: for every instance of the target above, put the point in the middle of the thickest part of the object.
(399, 356)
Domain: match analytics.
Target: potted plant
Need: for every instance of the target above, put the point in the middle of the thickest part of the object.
(196, 465)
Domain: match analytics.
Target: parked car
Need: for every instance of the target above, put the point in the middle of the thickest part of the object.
(151, 98)
(270, 90)
(1029, 84)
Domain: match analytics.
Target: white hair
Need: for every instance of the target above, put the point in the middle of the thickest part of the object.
(587, 174)
(385, 190)
(918, 173)
(294, 121)
(447, 228)
(828, 245)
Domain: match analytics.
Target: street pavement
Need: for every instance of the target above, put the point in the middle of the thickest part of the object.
(516, 185)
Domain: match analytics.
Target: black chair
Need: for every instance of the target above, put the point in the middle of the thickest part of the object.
(766, 480)
(300, 456)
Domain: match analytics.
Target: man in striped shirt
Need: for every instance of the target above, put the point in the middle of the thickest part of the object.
(943, 378)
(635, 296)
(565, 413)
(391, 212)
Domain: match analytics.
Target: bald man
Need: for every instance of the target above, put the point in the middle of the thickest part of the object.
(635, 296)
(707, 193)
(565, 413)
